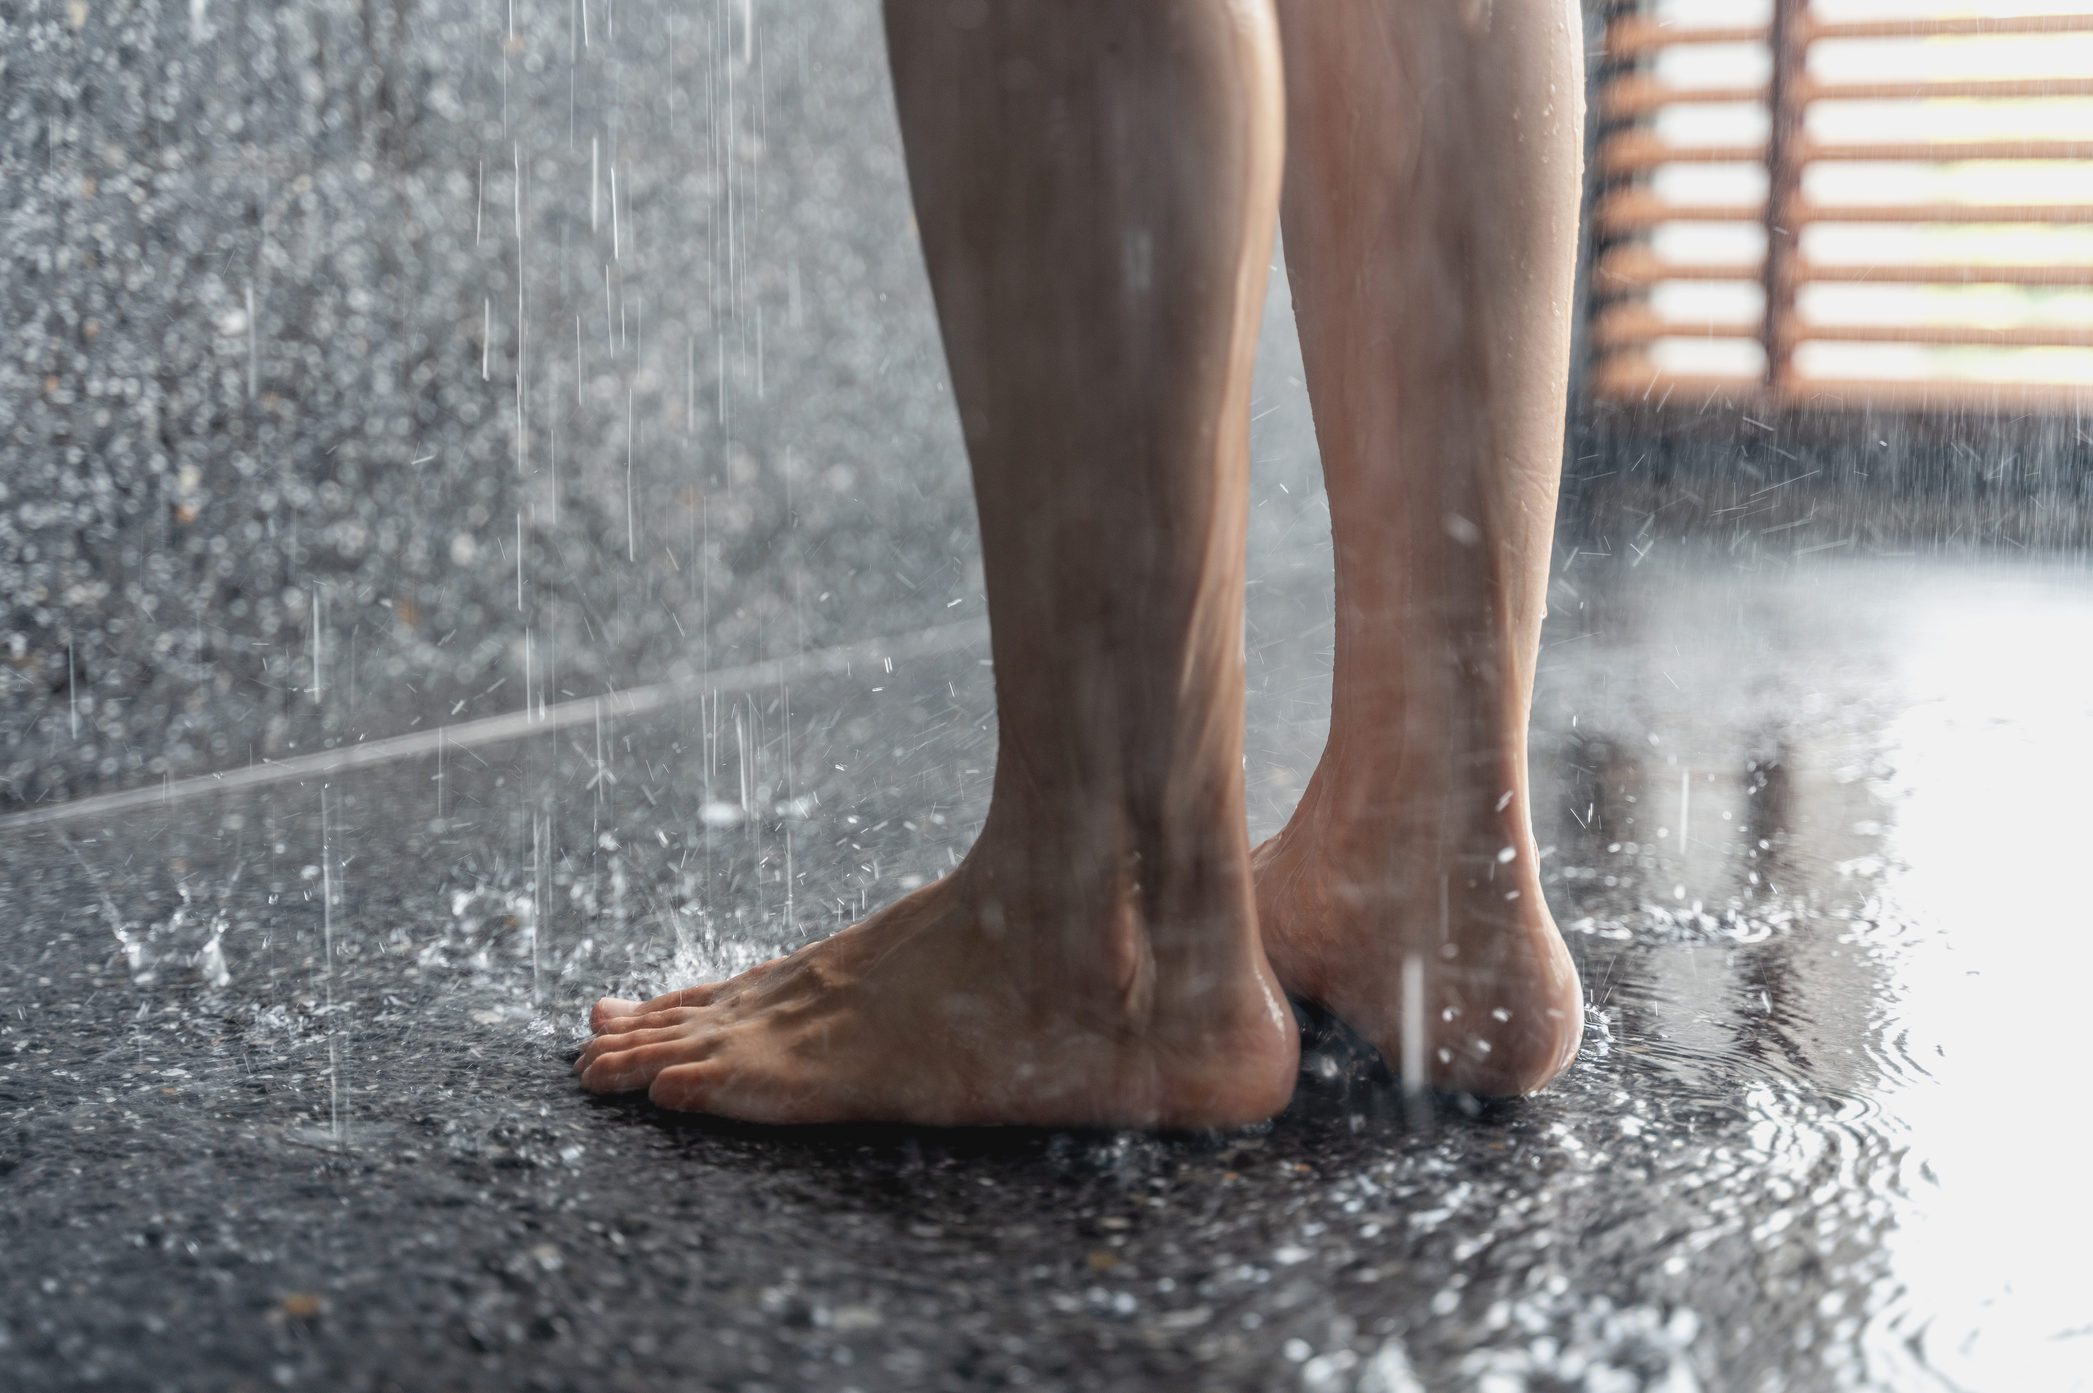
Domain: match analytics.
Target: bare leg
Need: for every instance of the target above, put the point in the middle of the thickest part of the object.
(1096, 184)
(1430, 215)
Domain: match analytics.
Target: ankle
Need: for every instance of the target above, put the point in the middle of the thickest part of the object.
(1440, 803)
(1072, 849)
(1155, 922)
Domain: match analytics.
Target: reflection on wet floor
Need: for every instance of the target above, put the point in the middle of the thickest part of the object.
(1811, 834)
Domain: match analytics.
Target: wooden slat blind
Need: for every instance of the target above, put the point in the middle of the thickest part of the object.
(1930, 346)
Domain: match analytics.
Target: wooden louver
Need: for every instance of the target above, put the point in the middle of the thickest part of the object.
(1627, 329)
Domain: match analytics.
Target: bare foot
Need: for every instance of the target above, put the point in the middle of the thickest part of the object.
(1450, 966)
(941, 1009)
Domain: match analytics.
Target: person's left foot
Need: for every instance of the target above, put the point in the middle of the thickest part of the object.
(1454, 972)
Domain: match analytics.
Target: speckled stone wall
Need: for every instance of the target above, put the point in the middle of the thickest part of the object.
(384, 364)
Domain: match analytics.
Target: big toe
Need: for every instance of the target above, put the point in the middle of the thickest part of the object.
(688, 1087)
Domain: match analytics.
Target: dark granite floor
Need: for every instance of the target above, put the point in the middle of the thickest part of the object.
(284, 1098)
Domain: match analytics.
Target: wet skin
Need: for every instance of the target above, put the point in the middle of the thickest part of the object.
(1111, 951)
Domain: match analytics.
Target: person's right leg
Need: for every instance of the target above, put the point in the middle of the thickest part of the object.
(1430, 229)
(1096, 182)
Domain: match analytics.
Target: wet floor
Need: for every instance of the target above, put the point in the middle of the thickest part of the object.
(284, 1097)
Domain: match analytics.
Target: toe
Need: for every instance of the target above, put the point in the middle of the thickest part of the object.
(687, 1087)
(619, 1042)
(639, 1020)
(729, 1083)
(612, 1043)
(609, 1011)
(596, 1049)
(626, 1070)
(700, 995)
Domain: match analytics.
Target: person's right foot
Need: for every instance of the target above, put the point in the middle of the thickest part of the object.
(950, 1007)
(1451, 967)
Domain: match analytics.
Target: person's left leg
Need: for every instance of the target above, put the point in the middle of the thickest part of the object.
(1430, 216)
(1096, 182)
